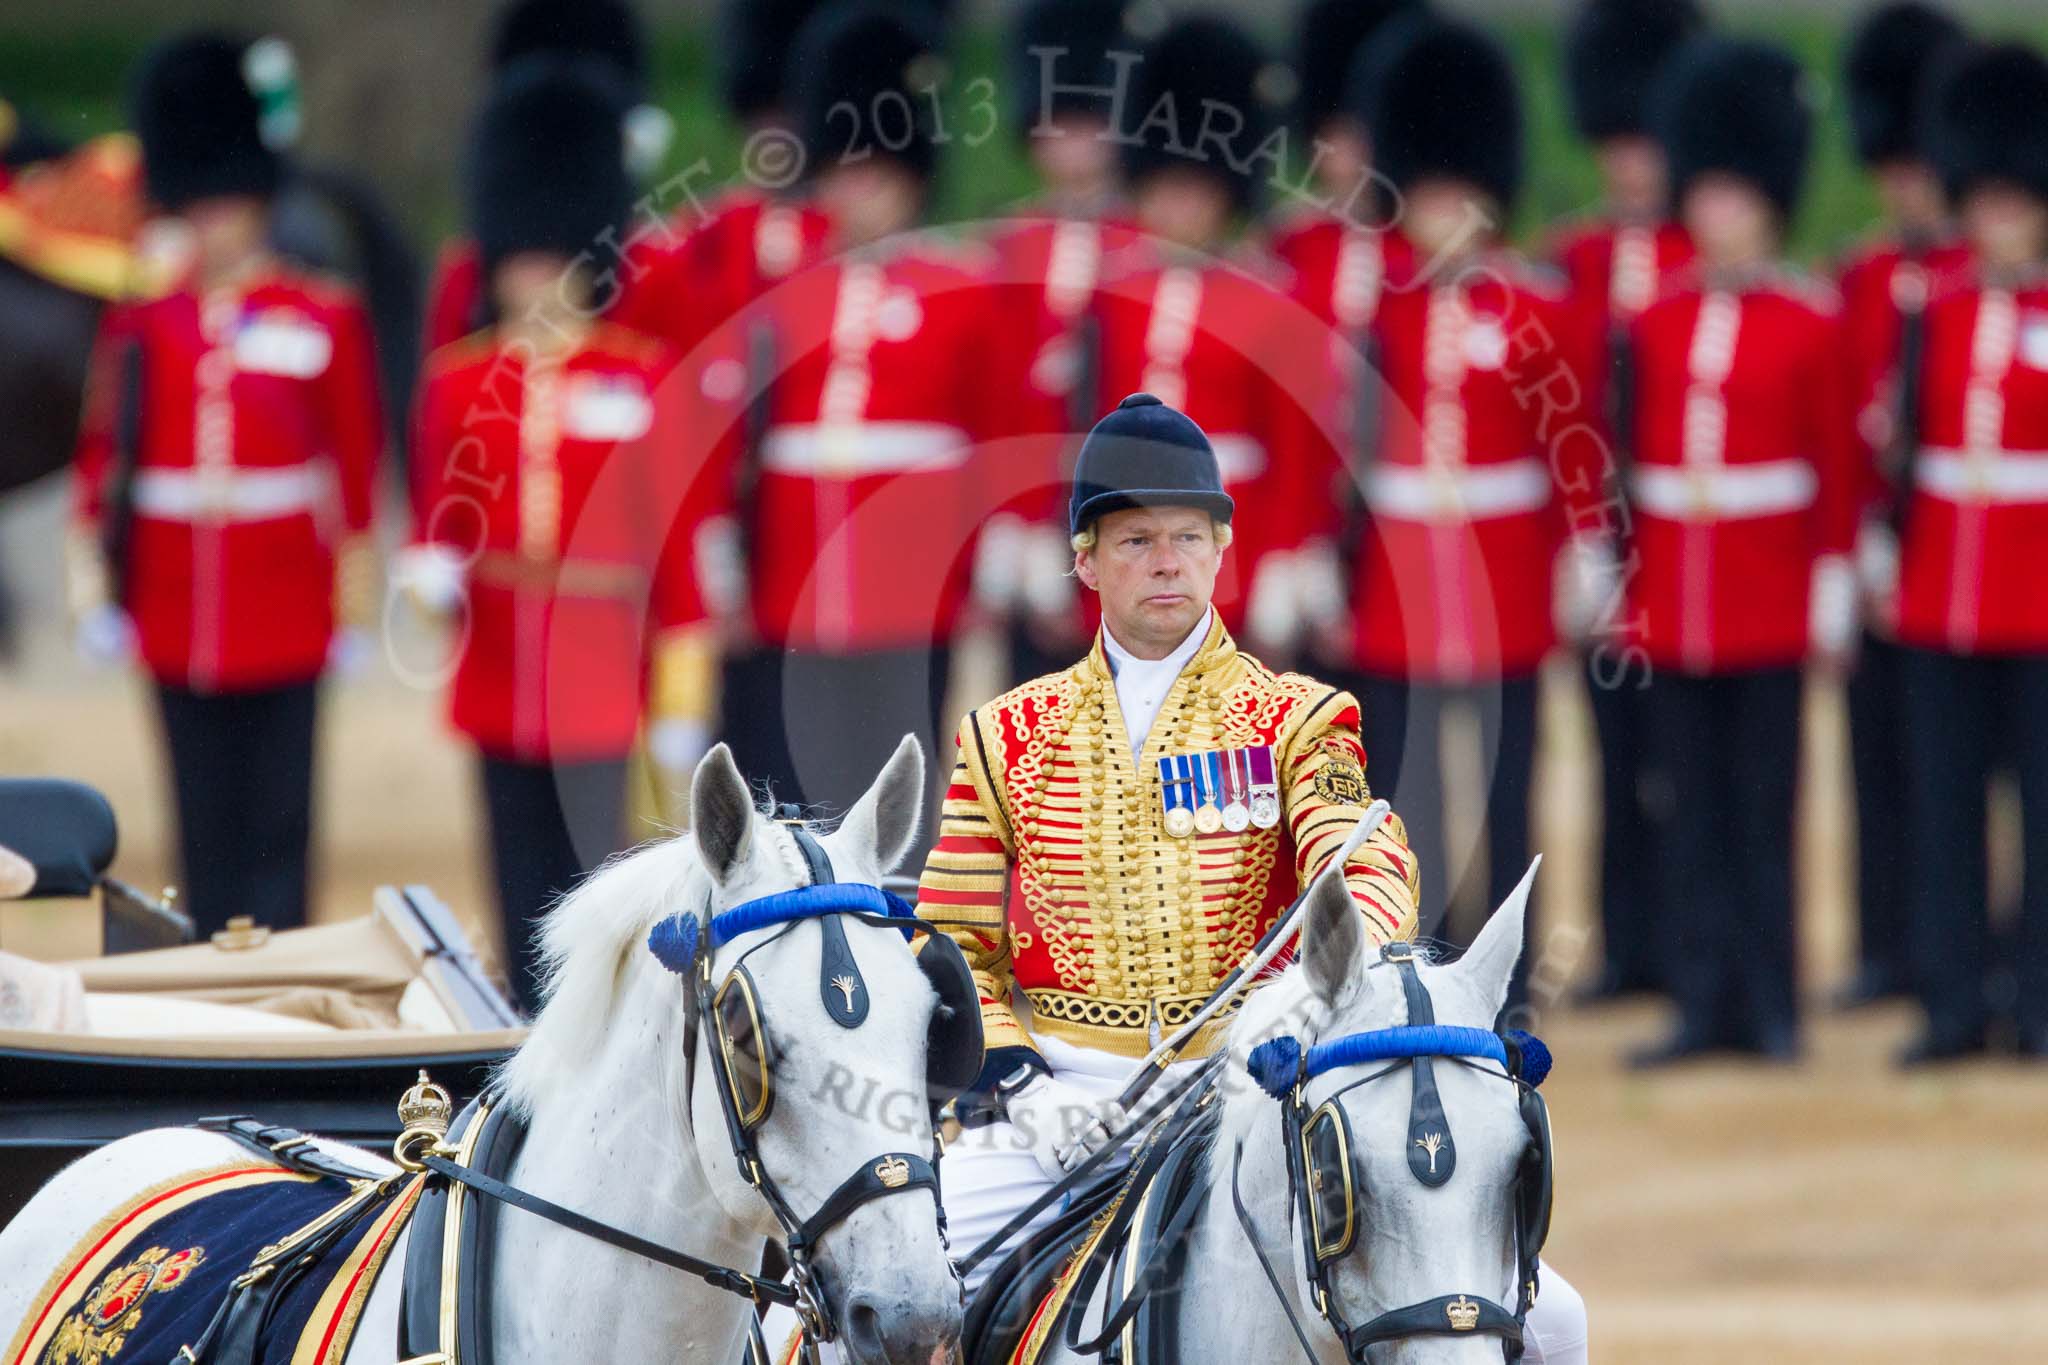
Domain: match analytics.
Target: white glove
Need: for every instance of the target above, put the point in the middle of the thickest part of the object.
(349, 651)
(431, 577)
(1832, 614)
(1319, 584)
(1047, 563)
(1064, 1124)
(1877, 567)
(1587, 584)
(1272, 614)
(999, 564)
(674, 745)
(105, 637)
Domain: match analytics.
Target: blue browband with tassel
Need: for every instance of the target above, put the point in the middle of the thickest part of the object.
(1278, 1064)
(674, 941)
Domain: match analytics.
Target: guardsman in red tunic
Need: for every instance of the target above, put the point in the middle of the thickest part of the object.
(1972, 616)
(554, 519)
(225, 480)
(1617, 261)
(1213, 333)
(751, 237)
(635, 281)
(1343, 255)
(1068, 59)
(1885, 283)
(1451, 593)
(1742, 493)
(856, 455)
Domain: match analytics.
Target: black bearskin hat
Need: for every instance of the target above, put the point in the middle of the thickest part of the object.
(1739, 107)
(1886, 71)
(1327, 39)
(602, 30)
(1611, 55)
(1083, 34)
(1986, 119)
(758, 36)
(1198, 61)
(200, 122)
(545, 173)
(1441, 101)
(880, 59)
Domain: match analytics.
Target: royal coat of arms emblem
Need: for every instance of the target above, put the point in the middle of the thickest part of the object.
(95, 1331)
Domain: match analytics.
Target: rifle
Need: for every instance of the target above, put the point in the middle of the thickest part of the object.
(1909, 292)
(1355, 513)
(117, 525)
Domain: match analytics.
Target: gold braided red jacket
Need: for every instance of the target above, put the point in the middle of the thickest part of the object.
(1054, 871)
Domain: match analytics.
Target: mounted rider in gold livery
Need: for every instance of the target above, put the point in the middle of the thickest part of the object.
(1118, 835)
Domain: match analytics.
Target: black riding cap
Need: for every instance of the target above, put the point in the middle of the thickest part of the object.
(200, 122)
(1145, 454)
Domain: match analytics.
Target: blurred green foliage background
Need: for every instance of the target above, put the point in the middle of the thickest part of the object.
(71, 79)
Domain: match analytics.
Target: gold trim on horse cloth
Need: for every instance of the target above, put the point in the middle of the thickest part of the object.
(341, 1303)
(73, 1279)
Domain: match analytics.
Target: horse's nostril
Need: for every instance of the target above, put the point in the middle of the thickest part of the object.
(864, 1330)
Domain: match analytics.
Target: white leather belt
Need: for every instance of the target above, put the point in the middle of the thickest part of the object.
(855, 448)
(2000, 476)
(1468, 493)
(232, 494)
(1684, 493)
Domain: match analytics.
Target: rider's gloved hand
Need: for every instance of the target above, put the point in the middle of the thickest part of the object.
(1063, 1123)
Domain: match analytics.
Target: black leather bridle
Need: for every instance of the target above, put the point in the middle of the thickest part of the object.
(1321, 1169)
(892, 1173)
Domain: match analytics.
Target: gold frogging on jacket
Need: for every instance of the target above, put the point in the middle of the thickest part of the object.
(1058, 872)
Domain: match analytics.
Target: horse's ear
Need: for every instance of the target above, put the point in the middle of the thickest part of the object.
(721, 813)
(887, 817)
(1489, 963)
(1332, 937)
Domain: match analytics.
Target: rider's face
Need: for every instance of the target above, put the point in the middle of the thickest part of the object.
(1155, 569)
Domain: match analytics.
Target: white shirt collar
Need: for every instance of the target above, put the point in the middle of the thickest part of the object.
(1142, 684)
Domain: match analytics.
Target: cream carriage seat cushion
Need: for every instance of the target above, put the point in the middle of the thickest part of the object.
(111, 1014)
(40, 997)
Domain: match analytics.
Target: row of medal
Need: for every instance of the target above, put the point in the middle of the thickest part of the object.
(1231, 789)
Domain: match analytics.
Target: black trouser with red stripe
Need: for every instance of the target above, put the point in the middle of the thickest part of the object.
(242, 775)
(1401, 723)
(818, 727)
(1964, 716)
(549, 824)
(1877, 751)
(1730, 744)
(1629, 894)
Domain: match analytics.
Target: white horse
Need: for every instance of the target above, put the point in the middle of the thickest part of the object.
(1414, 1243)
(612, 1136)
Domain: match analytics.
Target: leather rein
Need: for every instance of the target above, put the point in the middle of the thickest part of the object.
(804, 1293)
